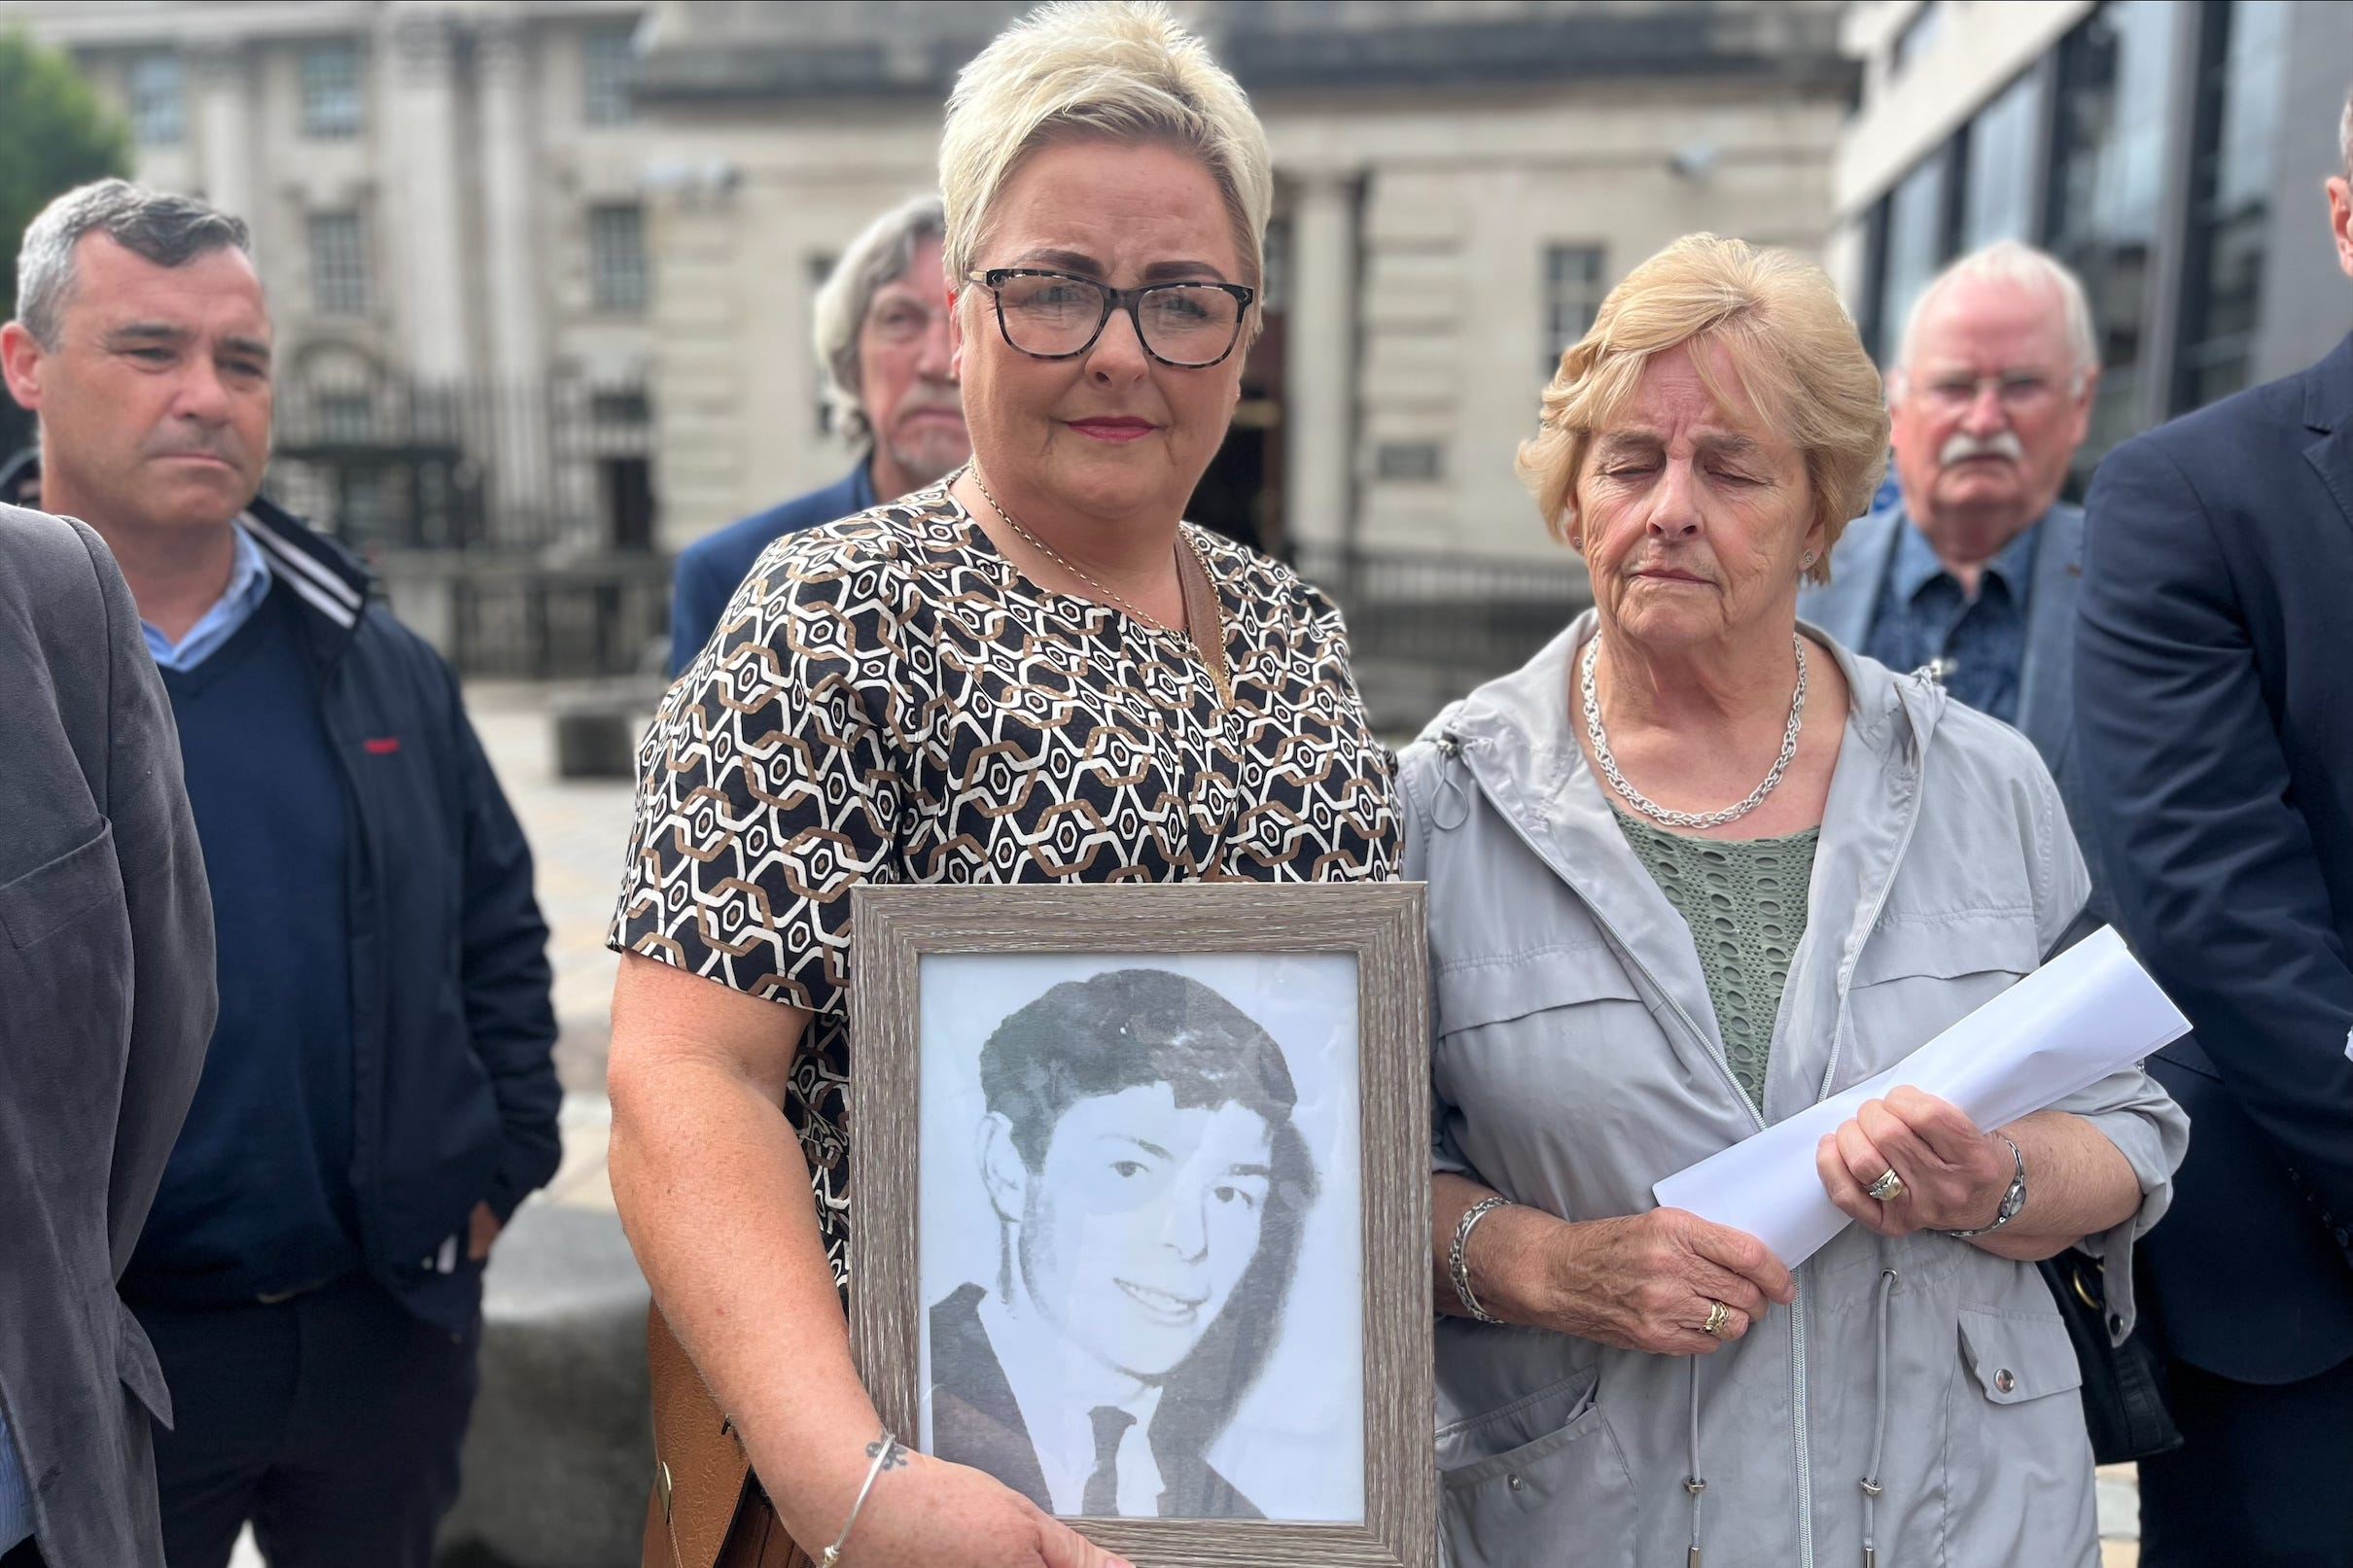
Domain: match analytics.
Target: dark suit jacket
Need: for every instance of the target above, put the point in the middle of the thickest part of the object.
(106, 1003)
(2214, 708)
(975, 1421)
(710, 569)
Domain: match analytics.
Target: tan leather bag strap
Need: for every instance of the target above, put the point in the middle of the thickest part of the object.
(707, 1509)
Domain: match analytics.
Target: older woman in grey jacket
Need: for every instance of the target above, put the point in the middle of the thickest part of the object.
(1693, 869)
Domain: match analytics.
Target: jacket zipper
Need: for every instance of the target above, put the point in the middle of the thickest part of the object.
(1797, 1308)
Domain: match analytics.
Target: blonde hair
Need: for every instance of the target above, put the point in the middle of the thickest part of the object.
(1800, 364)
(1121, 69)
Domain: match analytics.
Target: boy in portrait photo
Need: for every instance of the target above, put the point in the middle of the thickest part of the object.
(1149, 1187)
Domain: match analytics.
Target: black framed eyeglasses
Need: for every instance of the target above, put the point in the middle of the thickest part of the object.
(1059, 315)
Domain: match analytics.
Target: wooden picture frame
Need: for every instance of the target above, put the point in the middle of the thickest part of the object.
(1275, 933)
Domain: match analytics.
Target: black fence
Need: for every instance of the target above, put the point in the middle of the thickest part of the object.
(1469, 616)
(475, 466)
(597, 619)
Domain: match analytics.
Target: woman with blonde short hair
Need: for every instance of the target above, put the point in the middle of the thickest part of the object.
(1692, 870)
(1035, 671)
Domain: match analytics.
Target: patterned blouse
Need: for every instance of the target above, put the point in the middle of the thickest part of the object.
(886, 699)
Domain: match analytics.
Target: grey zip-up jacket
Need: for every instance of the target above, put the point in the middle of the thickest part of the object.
(1576, 1061)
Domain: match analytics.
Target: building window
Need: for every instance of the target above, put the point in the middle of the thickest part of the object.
(2116, 99)
(1917, 244)
(1573, 298)
(607, 64)
(1917, 35)
(332, 103)
(2237, 131)
(158, 100)
(346, 418)
(1409, 462)
(616, 260)
(339, 264)
(2002, 149)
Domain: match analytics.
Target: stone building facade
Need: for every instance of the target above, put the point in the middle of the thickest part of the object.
(1458, 185)
(447, 209)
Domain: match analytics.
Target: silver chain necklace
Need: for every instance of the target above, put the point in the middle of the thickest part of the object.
(1061, 559)
(1644, 804)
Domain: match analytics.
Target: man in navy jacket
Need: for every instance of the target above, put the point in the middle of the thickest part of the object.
(2214, 706)
(882, 336)
(378, 1093)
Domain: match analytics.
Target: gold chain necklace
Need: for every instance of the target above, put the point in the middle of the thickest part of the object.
(1062, 561)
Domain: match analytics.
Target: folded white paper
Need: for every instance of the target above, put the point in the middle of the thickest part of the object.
(2088, 1013)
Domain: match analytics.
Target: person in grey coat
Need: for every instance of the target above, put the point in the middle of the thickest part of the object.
(106, 967)
(1694, 869)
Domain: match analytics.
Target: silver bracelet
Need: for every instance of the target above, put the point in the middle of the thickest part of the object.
(887, 1456)
(1459, 1270)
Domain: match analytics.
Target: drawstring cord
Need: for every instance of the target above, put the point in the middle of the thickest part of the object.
(1451, 807)
(1692, 1482)
(1878, 1430)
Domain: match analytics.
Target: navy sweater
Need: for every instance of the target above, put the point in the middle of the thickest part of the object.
(258, 1196)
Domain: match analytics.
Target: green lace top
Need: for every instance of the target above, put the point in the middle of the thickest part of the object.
(1745, 900)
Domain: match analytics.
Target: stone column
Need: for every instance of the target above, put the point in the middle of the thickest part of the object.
(422, 229)
(518, 350)
(1320, 373)
(225, 130)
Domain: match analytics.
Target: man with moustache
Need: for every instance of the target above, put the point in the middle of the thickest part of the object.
(882, 336)
(377, 1096)
(1973, 574)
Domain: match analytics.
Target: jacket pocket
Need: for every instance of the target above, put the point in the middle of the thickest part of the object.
(136, 1365)
(2017, 1356)
(1992, 942)
(1562, 1475)
(2018, 1455)
(1501, 989)
(49, 898)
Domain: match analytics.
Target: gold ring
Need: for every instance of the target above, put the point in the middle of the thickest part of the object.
(1718, 1314)
(1887, 1189)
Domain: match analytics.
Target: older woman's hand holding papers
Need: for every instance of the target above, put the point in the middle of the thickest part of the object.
(1949, 1176)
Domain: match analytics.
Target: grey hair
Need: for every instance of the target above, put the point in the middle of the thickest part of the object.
(880, 256)
(2344, 135)
(2008, 260)
(167, 229)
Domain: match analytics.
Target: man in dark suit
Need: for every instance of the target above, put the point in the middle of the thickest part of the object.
(882, 336)
(1974, 571)
(106, 1001)
(1149, 1187)
(2214, 705)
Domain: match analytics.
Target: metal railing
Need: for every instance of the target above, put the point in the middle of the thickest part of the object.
(1466, 615)
(398, 463)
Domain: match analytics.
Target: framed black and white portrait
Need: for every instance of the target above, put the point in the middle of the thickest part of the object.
(1143, 1229)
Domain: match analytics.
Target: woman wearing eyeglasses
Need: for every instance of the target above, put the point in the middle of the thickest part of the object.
(1034, 672)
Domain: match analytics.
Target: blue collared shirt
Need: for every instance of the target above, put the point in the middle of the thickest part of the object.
(1978, 641)
(249, 580)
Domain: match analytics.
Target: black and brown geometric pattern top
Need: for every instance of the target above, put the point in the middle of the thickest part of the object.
(886, 699)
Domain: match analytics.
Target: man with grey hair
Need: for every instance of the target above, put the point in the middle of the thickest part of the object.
(2214, 703)
(1973, 572)
(377, 1094)
(882, 338)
